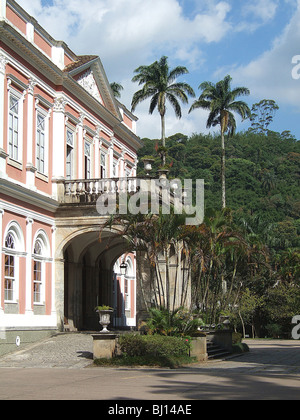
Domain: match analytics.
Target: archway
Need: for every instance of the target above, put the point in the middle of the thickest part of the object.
(89, 278)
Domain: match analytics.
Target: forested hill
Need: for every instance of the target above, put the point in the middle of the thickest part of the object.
(262, 177)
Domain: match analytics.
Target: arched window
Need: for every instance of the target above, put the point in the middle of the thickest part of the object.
(127, 283)
(40, 254)
(9, 268)
(12, 247)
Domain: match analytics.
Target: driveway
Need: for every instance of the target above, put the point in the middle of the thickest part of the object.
(270, 371)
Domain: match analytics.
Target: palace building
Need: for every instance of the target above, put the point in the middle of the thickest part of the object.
(64, 139)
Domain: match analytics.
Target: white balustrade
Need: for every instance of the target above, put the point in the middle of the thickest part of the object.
(88, 190)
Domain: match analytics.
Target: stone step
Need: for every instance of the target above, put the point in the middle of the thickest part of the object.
(216, 352)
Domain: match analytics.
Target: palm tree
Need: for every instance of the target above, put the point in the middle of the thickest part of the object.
(221, 102)
(159, 84)
(116, 89)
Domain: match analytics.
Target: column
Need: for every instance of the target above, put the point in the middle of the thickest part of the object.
(30, 167)
(2, 9)
(111, 159)
(28, 303)
(80, 148)
(58, 151)
(97, 157)
(3, 154)
(1, 258)
(122, 166)
(53, 308)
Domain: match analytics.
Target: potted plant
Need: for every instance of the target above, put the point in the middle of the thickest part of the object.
(104, 312)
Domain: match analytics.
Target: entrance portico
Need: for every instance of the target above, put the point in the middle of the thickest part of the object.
(87, 273)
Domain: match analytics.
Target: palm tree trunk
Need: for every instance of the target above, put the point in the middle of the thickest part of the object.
(223, 171)
(163, 137)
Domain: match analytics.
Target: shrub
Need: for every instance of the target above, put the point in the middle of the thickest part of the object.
(240, 348)
(236, 338)
(153, 345)
(172, 323)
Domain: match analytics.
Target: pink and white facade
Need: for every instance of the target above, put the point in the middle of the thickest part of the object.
(59, 123)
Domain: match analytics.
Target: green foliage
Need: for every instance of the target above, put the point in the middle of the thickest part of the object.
(172, 323)
(240, 348)
(253, 250)
(262, 174)
(153, 345)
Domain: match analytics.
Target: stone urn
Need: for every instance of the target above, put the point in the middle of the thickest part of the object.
(148, 162)
(163, 173)
(104, 318)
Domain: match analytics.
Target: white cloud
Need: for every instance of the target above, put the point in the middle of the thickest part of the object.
(126, 34)
(270, 75)
(264, 10)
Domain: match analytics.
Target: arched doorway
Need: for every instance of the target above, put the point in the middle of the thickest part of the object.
(91, 279)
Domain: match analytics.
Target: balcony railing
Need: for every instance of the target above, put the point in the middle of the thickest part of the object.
(89, 190)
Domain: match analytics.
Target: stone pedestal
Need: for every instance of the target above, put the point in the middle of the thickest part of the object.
(198, 348)
(104, 345)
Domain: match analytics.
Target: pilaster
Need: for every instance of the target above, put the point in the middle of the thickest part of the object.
(28, 303)
(1, 259)
(3, 154)
(2, 9)
(58, 151)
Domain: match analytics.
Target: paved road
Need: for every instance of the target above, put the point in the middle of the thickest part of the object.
(60, 368)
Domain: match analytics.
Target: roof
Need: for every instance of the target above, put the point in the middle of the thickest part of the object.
(82, 59)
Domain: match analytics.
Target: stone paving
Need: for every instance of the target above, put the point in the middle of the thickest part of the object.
(71, 351)
(61, 368)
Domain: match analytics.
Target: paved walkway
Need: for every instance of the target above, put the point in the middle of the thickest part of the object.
(70, 351)
(61, 368)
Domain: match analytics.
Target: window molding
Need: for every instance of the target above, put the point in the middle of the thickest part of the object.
(14, 93)
(40, 256)
(13, 253)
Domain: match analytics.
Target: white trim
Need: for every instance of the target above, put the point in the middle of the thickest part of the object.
(15, 230)
(20, 98)
(20, 321)
(26, 213)
(1, 256)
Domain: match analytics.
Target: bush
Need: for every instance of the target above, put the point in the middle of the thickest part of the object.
(153, 345)
(274, 330)
(240, 348)
(236, 338)
(177, 323)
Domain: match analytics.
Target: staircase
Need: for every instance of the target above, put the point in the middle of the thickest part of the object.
(216, 352)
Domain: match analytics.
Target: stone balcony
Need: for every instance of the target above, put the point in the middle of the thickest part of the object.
(89, 190)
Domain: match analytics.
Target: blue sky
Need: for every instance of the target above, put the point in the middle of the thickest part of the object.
(254, 41)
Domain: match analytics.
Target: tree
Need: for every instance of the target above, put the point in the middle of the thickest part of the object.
(221, 103)
(116, 89)
(262, 114)
(162, 239)
(159, 84)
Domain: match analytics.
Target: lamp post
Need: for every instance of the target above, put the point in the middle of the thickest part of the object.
(123, 268)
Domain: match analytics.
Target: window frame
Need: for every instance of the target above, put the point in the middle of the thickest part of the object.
(15, 144)
(38, 259)
(41, 259)
(71, 147)
(15, 253)
(45, 115)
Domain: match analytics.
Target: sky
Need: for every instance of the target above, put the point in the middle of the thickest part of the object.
(256, 42)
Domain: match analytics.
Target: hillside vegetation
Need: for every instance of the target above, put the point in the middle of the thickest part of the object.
(263, 206)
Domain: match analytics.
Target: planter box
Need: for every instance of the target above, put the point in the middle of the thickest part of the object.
(104, 345)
